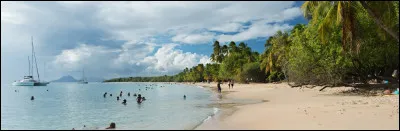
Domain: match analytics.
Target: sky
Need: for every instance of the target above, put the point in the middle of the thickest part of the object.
(131, 38)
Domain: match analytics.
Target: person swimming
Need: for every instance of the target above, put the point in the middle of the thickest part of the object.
(124, 101)
(139, 99)
(104, 95)
(117, 98)
(129, 94)
(184, 96)
(110, 94)
(143, 98)
(32, 98)
(112, 126)
(134, 94)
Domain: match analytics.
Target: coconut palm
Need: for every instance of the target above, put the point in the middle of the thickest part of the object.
(345, 13)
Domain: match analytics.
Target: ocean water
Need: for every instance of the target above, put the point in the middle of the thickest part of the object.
(72, 105)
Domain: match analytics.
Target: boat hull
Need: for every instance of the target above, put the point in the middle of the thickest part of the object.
(30, 83)
(24, 84)
(41, 83)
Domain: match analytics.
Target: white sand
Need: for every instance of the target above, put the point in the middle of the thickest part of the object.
(294, 108)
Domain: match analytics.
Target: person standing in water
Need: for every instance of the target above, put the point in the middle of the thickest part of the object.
(32, 98)
(139, 99)
(117, 98)
(184, 97)
(129, 94)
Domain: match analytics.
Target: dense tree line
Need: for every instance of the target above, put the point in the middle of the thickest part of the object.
(344, 41)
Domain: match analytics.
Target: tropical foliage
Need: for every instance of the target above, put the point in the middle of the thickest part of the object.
(344, 41)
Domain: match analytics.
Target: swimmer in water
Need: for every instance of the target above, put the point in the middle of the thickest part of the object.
(184, 96)
(112, 126)
(134, 94)
(32, 98)
(143, 98)
(117, 98)
(124, 101)
(110, 94)
(129, 94)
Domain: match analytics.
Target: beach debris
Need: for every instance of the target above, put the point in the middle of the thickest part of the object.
(377, 105)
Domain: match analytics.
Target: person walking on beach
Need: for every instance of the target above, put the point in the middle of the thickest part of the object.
(229, 84)
(232, 83)
(219, 86)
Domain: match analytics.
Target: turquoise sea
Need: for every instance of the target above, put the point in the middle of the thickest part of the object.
(72, 105)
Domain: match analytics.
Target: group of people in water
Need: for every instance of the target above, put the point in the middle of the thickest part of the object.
(139, 98)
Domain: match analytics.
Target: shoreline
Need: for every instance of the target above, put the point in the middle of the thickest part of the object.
(302, 108)
(225, 105)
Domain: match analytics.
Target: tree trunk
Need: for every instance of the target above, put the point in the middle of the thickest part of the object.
(378, 21)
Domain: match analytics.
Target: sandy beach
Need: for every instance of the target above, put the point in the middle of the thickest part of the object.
(295, 108)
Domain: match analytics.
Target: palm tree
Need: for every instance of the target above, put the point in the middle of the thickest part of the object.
(216, 55)
(344, 13)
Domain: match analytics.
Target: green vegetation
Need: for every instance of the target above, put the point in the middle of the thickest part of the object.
(343, 42)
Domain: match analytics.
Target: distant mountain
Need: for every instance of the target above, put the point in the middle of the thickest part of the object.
(67, 78)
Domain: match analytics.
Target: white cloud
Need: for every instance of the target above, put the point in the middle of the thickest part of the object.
(230, 27)
(168, 59)
(194, 38)
(83, 56)
(137, 24)
(258, 29)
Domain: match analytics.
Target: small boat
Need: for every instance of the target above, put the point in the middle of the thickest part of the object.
(83, 80)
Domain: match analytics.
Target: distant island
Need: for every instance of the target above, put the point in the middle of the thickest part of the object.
(69, 78)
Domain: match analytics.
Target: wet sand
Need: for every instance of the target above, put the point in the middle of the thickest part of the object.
(277, 106)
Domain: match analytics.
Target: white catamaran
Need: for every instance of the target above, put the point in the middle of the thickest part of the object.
(29, 80)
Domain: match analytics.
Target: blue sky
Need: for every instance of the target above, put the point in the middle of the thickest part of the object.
(129, 38)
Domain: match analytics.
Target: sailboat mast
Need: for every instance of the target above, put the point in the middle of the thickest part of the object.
(32, 57)
(44, 69)
(37, 71)
(29, 67)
